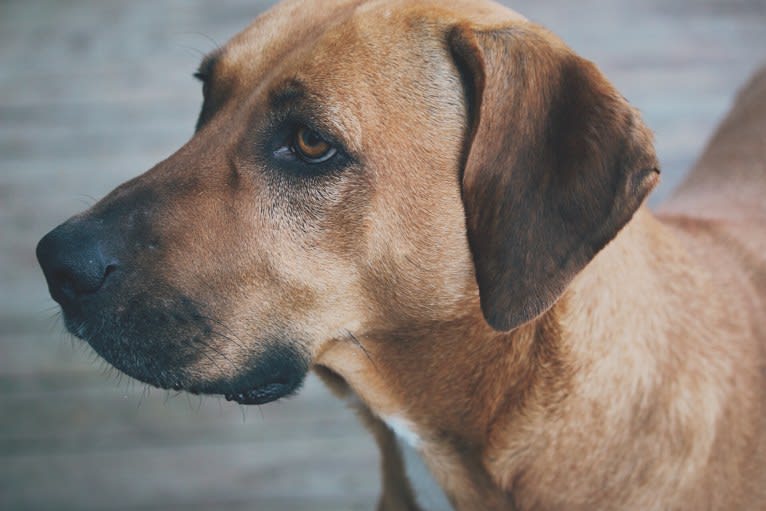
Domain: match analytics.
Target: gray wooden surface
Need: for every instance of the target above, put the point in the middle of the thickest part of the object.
(95, 91)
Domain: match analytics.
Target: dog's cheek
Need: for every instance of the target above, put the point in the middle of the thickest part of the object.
(318, 297)
(418, 266)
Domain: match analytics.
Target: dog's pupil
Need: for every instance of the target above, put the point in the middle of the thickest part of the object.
(311, 139)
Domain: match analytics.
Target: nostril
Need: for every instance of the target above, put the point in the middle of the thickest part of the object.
(74, 262)
(110, 268)
(82, 280)
(63, 281)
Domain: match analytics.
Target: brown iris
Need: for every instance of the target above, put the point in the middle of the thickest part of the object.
(311, 147)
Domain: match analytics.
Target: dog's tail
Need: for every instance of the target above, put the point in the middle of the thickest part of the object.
(729, 180)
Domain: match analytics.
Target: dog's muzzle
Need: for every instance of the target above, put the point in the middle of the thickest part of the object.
(113, 294)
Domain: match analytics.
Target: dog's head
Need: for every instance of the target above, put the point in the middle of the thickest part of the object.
(358, 169)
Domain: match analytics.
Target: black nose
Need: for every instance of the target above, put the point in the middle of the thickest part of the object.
(73, 261)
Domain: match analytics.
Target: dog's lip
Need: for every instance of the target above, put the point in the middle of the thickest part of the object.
(263, 394)
(279, 372)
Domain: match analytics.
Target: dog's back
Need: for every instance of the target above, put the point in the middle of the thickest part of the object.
(719, 213)
(725, 193)
(729, 180)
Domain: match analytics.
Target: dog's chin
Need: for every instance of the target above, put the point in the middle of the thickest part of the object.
(275, 374)
(277, 371)
(245, 390)
(261, 384)
(265, 393)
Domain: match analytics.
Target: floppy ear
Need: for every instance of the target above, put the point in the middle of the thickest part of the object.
(557, 163)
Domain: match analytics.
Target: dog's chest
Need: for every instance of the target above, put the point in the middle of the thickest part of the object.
(429, 496)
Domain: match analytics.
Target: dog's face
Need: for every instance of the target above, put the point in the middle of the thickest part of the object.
(323, 198)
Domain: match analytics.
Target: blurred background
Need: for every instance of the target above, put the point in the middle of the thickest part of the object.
(93, 92)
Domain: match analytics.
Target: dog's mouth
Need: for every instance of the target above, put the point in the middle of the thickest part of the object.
(280, 386)
(264, 393)
(276, 374)
(259, 385)
(173, 347)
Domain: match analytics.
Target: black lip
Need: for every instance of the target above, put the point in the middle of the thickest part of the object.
(264, 394)
(276, 373)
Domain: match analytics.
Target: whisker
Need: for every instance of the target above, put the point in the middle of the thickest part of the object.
(359, 344)
(87, 200)
(231, 336)
(192, 49)
(215, 44)
(144, 395)
(215, 363)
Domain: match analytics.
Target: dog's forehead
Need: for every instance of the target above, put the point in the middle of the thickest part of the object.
(293, 25)
(363, 65)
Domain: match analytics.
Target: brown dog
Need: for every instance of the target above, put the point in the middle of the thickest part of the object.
(437, 205)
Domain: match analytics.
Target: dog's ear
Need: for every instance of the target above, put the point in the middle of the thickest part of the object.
(556, 164)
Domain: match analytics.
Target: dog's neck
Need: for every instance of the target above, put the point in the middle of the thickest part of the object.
(462, 379)
(527, 396)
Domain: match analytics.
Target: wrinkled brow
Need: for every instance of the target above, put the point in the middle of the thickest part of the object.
(286, 94)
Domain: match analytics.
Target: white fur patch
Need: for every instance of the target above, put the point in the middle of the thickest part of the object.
(403, 430)
(428, 494)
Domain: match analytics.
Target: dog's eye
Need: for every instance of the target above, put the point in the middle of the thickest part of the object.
(205, 80)
(309, 146)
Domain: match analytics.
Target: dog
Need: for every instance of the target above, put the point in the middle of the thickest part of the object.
(439, 208)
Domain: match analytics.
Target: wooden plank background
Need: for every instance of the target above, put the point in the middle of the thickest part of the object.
(93, 92)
